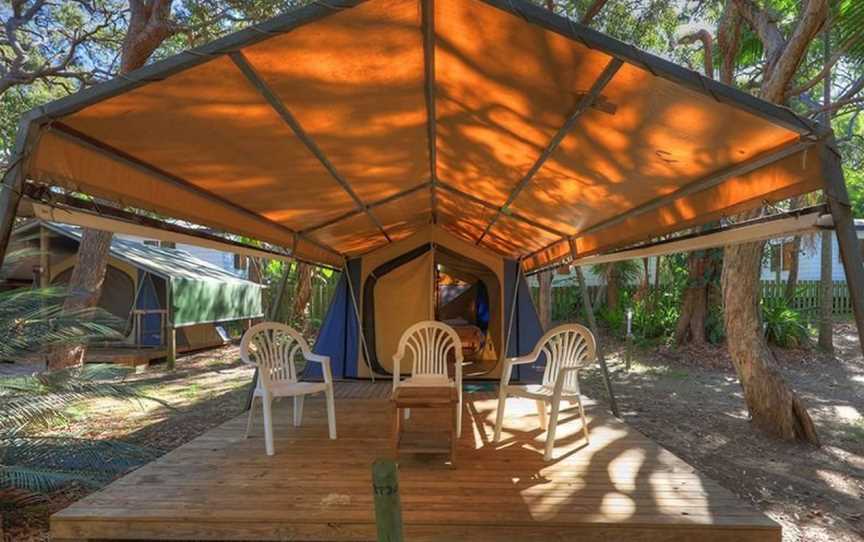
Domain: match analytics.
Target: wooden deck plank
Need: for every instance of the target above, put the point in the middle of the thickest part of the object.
(220, 486)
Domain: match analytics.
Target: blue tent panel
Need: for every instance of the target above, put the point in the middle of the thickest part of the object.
(151, 324)
(338, 337)
(526, 329)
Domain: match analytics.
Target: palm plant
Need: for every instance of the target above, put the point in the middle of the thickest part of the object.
(33, 321)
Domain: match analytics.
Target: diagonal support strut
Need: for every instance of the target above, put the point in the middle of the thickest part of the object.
(608, 73)
(252, 76)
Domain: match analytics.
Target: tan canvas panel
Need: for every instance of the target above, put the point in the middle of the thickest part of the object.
(504, 88)
(354, 235)
(355, 83)
(462, 217)
(515, 237)
(220, 154)
(406, 215)
(209, 126)
(795, 175)
(403, 297)
(58, 161)
(660, 137)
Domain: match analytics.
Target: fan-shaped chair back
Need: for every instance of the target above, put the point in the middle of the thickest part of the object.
(429, 344)
(567, 346)
(275, 349)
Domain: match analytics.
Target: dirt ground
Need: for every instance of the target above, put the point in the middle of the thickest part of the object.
(688, 401)
(691, 403)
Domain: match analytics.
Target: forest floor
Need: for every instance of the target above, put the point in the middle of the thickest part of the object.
(689, 401)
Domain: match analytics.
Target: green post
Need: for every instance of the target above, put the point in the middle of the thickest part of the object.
(388, 510)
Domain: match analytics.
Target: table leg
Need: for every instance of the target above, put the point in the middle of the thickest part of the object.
(397, 416)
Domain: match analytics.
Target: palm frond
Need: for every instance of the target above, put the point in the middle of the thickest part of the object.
(44, 397)
(99, 458)
(36, 480)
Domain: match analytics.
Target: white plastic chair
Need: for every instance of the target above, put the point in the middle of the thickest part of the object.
(273, 348)
(430, 344)
(568, 348)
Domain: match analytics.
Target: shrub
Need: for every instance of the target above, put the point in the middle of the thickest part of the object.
(782, 325)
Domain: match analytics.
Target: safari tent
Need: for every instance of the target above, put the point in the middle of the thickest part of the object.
(431, 275)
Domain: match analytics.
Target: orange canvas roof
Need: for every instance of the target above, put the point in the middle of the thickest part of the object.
(338, 128)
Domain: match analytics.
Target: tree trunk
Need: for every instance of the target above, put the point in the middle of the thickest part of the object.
(826, 293)
(690, 327)
(302, 294)
(545, 299)
(85, 287)
(773, 407)
(792, 279)
(613, 289)
(149, 25)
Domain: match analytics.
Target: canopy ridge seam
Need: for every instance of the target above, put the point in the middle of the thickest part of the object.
(113, 153)
(428, 23)
(281, 109)
(512, 214)
(587, 100)
(374, 204)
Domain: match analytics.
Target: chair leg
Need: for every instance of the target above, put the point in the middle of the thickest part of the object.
(251, 415)
(541, 414)
(268, 423)
(459, 418)
(550, 433)
(584, 420)
(298, 410)
(499, 418)
(331, 412)
(407, 412)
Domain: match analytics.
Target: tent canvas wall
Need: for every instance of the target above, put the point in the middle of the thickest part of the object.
(395, 287)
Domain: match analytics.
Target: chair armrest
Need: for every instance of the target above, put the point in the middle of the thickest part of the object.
(318, 358)
(521, 360)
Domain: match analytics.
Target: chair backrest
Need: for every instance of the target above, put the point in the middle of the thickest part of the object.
(274, 348)
(430, 343)
(566, 346)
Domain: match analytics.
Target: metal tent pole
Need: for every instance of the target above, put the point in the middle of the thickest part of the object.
(592, 323)
(844, 225)
(12, 185)
(512, 308)
(357, 315)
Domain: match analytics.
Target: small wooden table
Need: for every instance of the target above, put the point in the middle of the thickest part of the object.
(424, 442)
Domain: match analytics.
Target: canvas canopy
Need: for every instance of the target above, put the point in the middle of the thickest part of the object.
(342, 127)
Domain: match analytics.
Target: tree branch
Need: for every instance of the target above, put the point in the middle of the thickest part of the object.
(707, 48)
(729, 41)
(592, 11)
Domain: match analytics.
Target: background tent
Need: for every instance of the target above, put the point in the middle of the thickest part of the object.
(194, 295)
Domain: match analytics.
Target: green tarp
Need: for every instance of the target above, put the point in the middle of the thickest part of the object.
(198, 301)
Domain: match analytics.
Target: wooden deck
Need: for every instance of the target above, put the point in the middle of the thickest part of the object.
(220, 486)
